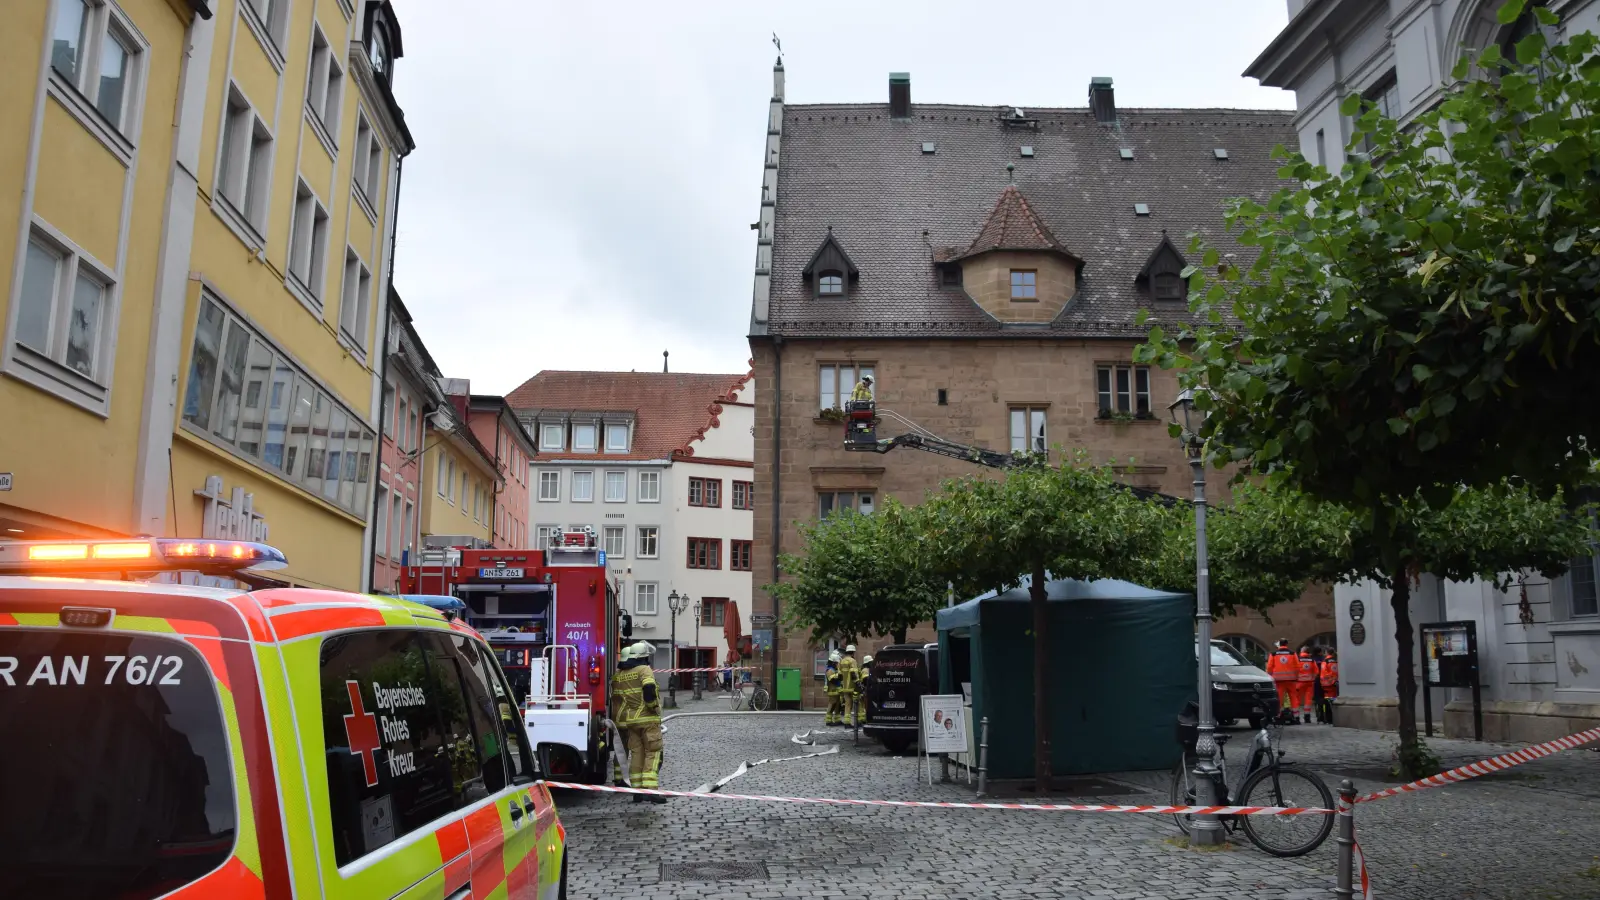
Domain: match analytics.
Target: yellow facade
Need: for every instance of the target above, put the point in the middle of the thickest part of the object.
(458, 495)
(240, 266)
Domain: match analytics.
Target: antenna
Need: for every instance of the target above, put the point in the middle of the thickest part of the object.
(664, 361)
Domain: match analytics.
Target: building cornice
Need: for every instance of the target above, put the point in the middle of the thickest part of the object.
(1304, 41)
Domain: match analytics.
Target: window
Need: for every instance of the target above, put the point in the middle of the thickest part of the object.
(1168, 286)
(1385, 98)
(355, 308)
(380, 533)
(837, 381)
(544, 534)
(1027, 430)
(705, 553)
(645, 547)
(583, 438)
(950, 276)
(416, 429)
(311, 439)
(1322, 148)
(644, 598)
(831, 284)
(616, 439)
(1583, 599)
(464, 482)
(65, 313)
(405, 423)
(1124, 390)
(245, 171)
(401, 528)
(378, 53)
(367, 169)
(324, 85)
(95, 54)
(831, 502)
(616, 487)
(549, 486)
(582, 487)
(744, 495)
(1024, 284)
(388, 410)
(705, 492)
(308, 242)
(713, 611)
(270, 16)
(649, 487)
(740, 555)
(615, 536)
(552, 437)
(439, 477)
(1254, 652)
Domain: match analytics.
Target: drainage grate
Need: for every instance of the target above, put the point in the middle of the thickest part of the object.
(715, 871)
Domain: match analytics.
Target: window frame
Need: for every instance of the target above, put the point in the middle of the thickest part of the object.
(270, 29)
(48, 368)
(553, 478)
(741, 555)
(654, 479)
(79, 92)
(545, 428)
(1159, 280)
(841, 389)
(399, 540)
(621, 534)
(748, 489)
(655, 598)
(574, 482)
(832, 278)
(243, 180)
(627, 434)
(710, 619)
(1110, 394)
(380, 527)
(1024, 285)
(622, 478)
(310, 242)
(705, 492)
(1570, 595)
(652, 540)
(704, 553)
(1384, 96)
(594, 444)
(360, 305)
(324, 94)
(366, 165)
(830, 506)
(1026, 441)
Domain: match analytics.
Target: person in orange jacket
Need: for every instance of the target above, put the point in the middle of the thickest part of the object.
(1328, 677)
(1285, 672)
(1306, 679)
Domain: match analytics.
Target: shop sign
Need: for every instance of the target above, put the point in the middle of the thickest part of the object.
(232, 517)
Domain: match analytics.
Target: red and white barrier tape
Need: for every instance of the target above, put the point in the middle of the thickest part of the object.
(1489, 766)
(932, 804)
(1359, 860)
(706, 669)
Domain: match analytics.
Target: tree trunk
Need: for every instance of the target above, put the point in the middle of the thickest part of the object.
(1405, 676)
(899, 635)
(1041, 680)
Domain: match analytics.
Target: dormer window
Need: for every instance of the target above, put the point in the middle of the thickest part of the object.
(378, 53)
(1167, 286)
(1163, 273)
(831, 284)
(382, 38)
(830, 271)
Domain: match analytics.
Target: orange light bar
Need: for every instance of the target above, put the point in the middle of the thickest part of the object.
(58, 551)
(141, 550)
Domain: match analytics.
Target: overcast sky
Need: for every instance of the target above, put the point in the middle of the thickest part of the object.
(586, 173)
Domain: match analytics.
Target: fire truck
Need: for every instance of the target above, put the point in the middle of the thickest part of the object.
(551, 616)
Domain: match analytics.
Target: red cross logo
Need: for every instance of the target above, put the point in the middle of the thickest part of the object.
(361, 727)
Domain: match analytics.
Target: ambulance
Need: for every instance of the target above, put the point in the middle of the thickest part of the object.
(160, 739)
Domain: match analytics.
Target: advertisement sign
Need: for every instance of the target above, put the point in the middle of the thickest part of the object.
(944, 723)
(762, 640)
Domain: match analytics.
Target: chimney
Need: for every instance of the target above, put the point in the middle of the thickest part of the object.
(1101, 101)
(899, 95)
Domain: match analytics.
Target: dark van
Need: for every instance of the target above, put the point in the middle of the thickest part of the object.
(901, 674)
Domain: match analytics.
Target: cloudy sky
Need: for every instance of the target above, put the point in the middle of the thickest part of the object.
(586, 173)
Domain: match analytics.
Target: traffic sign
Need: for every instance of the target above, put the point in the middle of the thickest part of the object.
(762, 620)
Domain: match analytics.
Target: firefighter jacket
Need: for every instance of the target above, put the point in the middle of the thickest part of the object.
(1282, 665)
(1330, 674)
(831, 679)
(861, 392)
(849, 675)
(638, 700)
(1306, 669)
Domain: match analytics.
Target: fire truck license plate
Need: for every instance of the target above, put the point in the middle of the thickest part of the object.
(499, 573)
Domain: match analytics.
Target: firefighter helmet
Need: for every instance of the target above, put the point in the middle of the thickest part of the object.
(866, 660)
(640, 650)
(849, 648)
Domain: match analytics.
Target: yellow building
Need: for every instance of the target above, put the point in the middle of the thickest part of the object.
(462, 484)
(199, 200)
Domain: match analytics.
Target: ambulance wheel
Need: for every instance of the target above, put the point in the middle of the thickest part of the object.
(561, 892)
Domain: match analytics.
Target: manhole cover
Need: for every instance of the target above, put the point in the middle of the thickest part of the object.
(715, 871)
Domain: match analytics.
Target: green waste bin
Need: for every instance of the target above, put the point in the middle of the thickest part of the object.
(789, 687)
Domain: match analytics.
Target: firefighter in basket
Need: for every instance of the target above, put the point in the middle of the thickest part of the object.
(638, 717)
(830, 681)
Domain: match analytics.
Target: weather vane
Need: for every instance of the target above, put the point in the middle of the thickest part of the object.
(777, 43)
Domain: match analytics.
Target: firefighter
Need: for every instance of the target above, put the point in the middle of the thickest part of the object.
(863, 391)
(830, 681)
(850, 685)
(1306, 678)
(1285, 672)
(638, 717)
(1328, 677)
(866, 676)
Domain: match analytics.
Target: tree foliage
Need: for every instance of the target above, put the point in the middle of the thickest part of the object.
(1428, 318)
(860, 575)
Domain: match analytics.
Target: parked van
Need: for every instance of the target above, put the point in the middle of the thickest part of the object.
(901, 674)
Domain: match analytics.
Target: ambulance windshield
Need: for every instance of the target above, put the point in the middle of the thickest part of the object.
(114, 766)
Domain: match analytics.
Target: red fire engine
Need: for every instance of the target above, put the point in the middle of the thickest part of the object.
(551, 616)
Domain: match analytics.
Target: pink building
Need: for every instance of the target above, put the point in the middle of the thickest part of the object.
(496, 427)
(410, 395)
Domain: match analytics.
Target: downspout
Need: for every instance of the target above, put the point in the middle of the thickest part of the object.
(494, 514)
(383, 377)
(777, 518)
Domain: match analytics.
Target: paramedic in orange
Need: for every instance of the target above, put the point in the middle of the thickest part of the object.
(1285, 672)
(1329, 676)
(1306, 685)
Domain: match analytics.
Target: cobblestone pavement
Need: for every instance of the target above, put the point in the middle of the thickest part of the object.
(1530, 833)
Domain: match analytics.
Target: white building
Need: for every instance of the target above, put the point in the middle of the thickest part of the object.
(660, 466)
(1539, 643)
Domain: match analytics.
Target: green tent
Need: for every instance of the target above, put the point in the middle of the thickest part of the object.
(1121, 668)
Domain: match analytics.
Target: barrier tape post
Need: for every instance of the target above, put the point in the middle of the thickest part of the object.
(983, 757)
(1346, 840)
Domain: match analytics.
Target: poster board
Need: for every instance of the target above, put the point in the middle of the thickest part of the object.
(944, 723)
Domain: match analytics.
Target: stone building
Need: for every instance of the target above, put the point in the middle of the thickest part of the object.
(985, 264)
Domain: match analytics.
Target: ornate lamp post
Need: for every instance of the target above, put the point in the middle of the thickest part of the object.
(1206, 830)
(697, 675)
(676, 603)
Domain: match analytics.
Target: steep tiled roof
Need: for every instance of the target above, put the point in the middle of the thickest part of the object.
(900, 210)
(671, 409)
(1013, 226)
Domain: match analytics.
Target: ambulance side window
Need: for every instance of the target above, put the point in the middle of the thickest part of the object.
(486, 737)
(519, 755)
(391, 725)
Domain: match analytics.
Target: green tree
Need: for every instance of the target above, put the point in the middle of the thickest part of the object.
(860, 575)
(1074, 521)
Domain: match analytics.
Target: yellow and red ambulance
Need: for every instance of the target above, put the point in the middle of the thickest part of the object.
(169, 740)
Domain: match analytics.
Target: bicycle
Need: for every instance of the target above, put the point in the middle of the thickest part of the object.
(758, 700)
(1266, 781)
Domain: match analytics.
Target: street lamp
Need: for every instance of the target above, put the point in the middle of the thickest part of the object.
(676, 603)
(697, 650)
(1206, 829)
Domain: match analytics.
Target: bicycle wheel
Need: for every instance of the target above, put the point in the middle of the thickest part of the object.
(1285, 785)
(1183, 792)
(737, 697)
(760, 700)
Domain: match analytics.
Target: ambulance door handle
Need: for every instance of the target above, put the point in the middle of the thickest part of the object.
(527, 805)
(516, 811)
